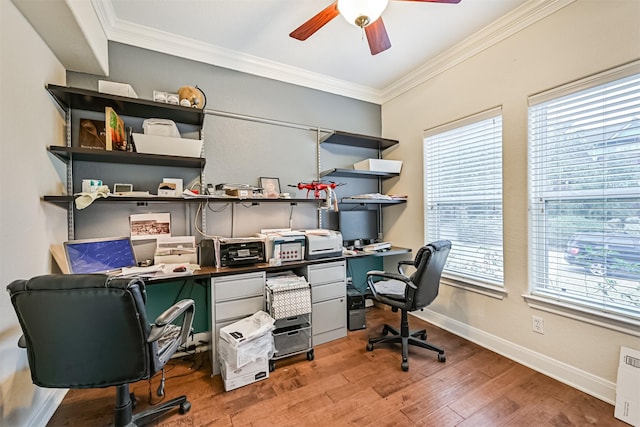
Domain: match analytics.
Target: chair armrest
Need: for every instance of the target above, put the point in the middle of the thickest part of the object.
(186, 306)
(403, 263)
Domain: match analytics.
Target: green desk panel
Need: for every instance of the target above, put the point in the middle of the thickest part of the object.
(357, 269)
(161, 296)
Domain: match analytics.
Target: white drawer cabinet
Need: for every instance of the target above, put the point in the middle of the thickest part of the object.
(233, 297)
(328, 300)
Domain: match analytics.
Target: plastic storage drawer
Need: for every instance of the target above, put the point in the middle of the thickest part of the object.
(291, 340)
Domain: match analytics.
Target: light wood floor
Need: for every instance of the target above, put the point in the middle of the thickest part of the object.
(347, 385)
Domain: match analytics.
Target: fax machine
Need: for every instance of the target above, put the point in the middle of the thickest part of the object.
(323, 244)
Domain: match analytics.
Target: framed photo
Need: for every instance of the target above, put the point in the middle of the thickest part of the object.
(150, 226)
(270, 187)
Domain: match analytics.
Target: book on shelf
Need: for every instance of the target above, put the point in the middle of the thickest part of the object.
(116, 138)
(92, 134)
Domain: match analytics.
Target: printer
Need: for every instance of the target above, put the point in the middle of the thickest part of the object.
(175, 250)
(284, 245)
(323, 244)
(240, 251)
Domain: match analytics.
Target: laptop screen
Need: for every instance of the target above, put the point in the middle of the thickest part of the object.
(99, 255)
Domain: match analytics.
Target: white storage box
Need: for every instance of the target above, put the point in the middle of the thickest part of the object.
(379, 165)
(249, 351)
(247, 374)
(153, 144)
(115, 88)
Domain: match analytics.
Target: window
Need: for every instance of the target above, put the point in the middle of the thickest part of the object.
(463, 196)
(584, 192)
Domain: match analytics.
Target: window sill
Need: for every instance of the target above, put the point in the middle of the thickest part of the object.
(486, 289)
(605, 320)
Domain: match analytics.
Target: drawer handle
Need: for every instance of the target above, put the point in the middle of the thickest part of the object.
(292, 318)
(293, 333)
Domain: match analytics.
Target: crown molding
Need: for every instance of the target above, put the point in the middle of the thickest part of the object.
(123, 32)
(164, 42)
(513, 22)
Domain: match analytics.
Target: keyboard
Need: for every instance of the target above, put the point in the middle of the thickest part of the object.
(375, 247)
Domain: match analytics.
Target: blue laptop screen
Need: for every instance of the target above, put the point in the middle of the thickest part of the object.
(100, 255)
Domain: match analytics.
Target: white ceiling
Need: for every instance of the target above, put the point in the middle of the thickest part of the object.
(253, 36)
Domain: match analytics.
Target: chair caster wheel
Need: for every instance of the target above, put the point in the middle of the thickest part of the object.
(369, 347)
(185, 407)
(385, 331)
(423, 337)
(442, 358)
(310, 355)
(405, 366)
(272, 366)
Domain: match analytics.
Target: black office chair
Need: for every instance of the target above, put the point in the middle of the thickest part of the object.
(409, 294)
(91, 331)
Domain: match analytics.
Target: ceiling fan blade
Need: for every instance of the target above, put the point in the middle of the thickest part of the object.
(436, 1)
(307, 29)
(377, 37)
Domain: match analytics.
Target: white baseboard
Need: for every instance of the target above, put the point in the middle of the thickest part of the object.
(584, 381)
(52, 399)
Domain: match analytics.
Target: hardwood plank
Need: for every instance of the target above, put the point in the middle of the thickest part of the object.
(347, 385)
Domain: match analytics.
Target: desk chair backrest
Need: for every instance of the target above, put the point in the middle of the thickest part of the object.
(83, 331)
(429, 263)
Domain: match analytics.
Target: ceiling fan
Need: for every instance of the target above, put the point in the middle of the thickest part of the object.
(366, 14)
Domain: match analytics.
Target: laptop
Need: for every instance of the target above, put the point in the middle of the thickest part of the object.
(105, 255)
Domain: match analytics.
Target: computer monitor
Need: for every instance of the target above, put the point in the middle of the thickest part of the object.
(361, 224)
(103, 255)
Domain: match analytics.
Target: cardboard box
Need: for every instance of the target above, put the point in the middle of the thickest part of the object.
(247, 329)
(153, 144)
(628, 387)
(379, 165)
(247, 352)
(248, 374)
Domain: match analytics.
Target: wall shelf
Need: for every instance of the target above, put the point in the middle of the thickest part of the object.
(355, 140)
(65, 200)
(383, 202)
(353, 173)
(71, 154)
(90, 100)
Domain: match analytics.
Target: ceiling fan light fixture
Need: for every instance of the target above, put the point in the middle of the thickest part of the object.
(362, 12)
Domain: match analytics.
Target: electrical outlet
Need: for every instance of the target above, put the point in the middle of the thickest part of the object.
(538, 324)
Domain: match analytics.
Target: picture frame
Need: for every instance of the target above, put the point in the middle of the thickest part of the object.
(270, 187)
(150, 226)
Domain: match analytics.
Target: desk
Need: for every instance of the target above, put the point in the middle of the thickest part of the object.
(231, 293)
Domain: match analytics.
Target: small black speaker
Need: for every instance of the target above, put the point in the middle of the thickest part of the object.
(206, 253)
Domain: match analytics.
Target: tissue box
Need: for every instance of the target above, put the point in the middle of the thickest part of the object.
(250, 373)
(379, 165)
(153, 144)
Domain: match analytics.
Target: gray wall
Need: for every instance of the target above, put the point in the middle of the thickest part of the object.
(237, 151)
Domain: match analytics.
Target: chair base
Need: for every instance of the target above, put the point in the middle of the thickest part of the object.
(125, 401)
(406, 338)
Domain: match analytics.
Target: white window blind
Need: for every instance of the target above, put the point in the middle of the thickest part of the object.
(584, 192)
(463, 195)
